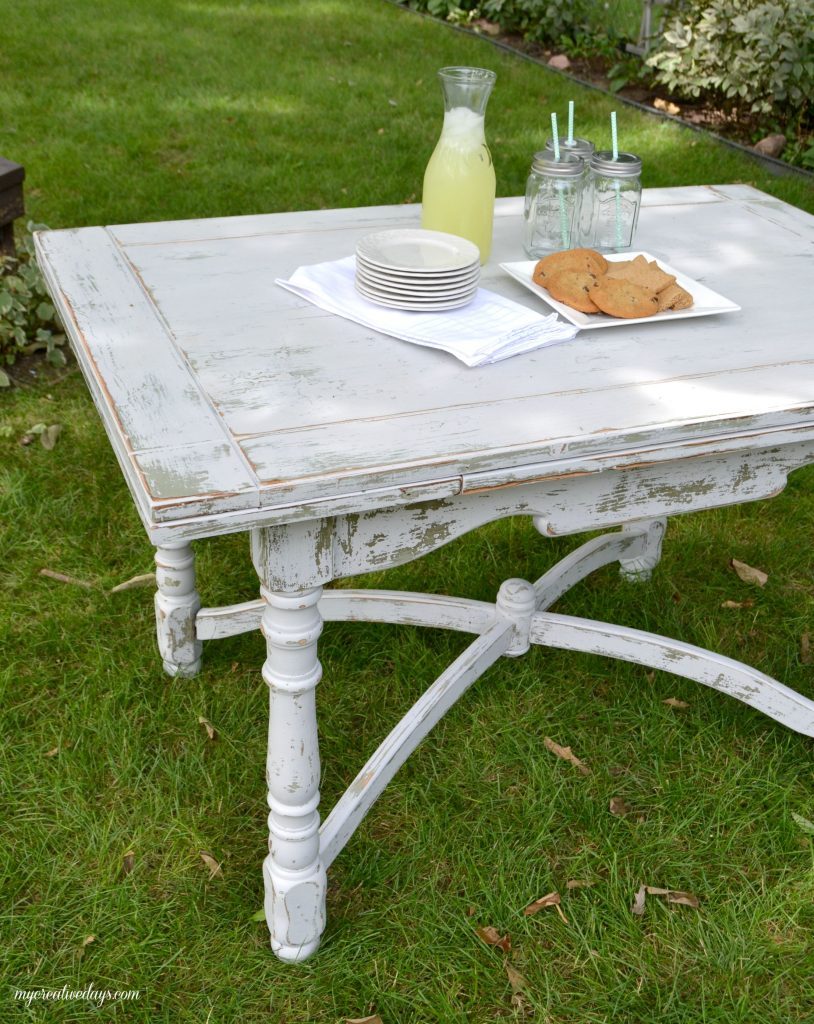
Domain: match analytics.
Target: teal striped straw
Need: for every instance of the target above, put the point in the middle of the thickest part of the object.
(564, 233)
(615, 148)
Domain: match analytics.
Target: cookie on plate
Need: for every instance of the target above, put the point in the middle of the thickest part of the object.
(618, 268)
(674, 297)
(573, 287)
(618, 297)
(569, 259)
(640, 272)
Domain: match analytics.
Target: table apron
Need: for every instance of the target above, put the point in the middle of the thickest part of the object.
(311, 553)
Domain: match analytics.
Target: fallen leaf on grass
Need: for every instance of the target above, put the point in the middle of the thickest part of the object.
(749, 574)
(519, 985)
(373, 1019)
(579, 883)
(146, 579)
(212, 864)
(516, 979)
(259, 915)
(619, 806)
(748, 603)
(61, 577)
(50, 436)
(552, 899)
(128, 863)
(36, 431)
(52, 752)
(686, 899)
(566, 754)
(674, 702)
(492, 937)
(805, 649)
(211, 732)
(804, 823)
(88, 939)
(638, 901)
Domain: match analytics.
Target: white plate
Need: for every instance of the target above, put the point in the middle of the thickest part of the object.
(417, 251)
(389, 277)
(416, 305)
(705, 300)
(415, 290)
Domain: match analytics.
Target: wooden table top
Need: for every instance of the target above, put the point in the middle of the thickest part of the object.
(232, 403)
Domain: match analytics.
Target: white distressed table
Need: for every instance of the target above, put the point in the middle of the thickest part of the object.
(232, 406)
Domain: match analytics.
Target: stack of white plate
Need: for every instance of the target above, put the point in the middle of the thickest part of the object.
(411, 268)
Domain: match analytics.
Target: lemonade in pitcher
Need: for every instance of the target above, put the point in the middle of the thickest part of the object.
(459, 183)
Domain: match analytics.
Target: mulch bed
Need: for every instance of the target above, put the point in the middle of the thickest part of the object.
(733, 124)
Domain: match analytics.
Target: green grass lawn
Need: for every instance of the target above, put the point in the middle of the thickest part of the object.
(148, 110)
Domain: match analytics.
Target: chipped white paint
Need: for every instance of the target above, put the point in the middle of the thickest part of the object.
(714, 670)
(176, 606)
(234, 407)
(231, 403)
(626, 547)
(394, 606)
(294, 871)
(638, 568)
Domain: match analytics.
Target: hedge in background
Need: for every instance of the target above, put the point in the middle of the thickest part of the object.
(540, 21)
(28, 322)
(758, 54)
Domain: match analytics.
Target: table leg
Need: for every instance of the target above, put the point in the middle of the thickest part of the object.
(641, 568)
(176, 605)
(293, 872)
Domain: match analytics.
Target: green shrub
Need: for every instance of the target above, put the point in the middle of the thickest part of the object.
(542, 21)
(28, 321)
(758, 54)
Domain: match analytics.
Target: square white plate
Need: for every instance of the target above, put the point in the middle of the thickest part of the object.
(705, 300)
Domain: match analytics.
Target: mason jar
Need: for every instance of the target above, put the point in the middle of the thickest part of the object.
(609, 210)
(551, 209)
(579, 147)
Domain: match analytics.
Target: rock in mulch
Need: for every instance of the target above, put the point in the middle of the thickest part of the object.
(489, 28)
(772, 145)
(559, 61)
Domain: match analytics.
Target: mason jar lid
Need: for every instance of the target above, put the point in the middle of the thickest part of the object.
(568, 166)
(626, 165)
(582, 147)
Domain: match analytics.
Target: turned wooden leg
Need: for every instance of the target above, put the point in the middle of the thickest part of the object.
(176, 605)
(293, 872)
(641, 568)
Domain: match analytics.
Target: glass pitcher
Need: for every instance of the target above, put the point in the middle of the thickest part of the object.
(459, 183)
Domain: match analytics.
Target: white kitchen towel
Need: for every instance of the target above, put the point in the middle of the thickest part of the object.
(488, 329)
